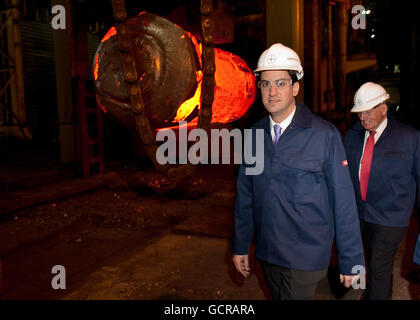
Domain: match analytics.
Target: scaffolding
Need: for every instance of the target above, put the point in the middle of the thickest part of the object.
(12, 96)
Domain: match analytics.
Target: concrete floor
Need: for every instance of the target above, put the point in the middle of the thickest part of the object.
(174, 258)
(192, 261)
(121, 243)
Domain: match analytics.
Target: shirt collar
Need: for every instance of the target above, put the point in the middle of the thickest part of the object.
(285, 123)
(379, 130)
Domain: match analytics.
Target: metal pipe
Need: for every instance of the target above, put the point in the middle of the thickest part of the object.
(330, 74)
(15, 51)
(316, 58)
(343, 21)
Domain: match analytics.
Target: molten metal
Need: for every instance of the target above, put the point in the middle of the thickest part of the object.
(235, 88)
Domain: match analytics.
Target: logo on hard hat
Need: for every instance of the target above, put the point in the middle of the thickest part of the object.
(359, 101)
(271, 59)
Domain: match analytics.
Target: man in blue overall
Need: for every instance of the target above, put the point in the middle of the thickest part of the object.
(384, 162)
(304, 196)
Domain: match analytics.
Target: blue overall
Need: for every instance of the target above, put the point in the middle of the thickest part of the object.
(301, 201)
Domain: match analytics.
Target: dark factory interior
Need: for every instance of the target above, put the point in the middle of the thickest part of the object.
(81, 188)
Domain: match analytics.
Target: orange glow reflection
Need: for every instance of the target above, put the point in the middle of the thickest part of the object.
(101, 105)
(234, 91)
(111, 32)
(96, 68)
(188, 106)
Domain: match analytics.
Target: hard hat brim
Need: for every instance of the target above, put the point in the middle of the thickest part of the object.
(360, 108)
(299, 72)
(369, 106)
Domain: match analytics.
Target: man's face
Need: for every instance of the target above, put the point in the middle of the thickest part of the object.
(279, 102)
(372, 118)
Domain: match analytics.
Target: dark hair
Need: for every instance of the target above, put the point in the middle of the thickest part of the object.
(293, 75)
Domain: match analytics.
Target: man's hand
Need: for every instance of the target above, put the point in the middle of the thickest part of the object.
(242, 264)
(347, 281)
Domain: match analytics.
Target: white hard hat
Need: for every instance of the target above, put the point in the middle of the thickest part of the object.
(368, 96)
(279, 57)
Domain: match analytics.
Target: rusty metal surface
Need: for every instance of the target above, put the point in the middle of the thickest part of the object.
(207, 97)
(157, 71)
(165, 64)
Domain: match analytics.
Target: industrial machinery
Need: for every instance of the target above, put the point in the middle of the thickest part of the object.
(150, 74)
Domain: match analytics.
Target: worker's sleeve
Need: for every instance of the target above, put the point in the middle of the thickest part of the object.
(243, 223)
(342, 199)
(416, 256)
(417, 168)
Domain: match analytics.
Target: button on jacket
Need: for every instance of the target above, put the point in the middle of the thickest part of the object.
(394, 173)
(303, 198)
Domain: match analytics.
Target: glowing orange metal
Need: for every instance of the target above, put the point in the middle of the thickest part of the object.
(111, 32)
(96, 67)
(235, 88)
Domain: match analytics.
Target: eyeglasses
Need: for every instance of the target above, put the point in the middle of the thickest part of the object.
(279, 84)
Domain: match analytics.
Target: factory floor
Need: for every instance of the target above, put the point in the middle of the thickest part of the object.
(120, 242)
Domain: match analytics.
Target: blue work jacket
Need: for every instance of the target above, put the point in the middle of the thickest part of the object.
(416, 257)
(302, 199)
(394, 173)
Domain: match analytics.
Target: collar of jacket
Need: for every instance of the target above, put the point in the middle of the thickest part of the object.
(361, 131)
(302, 118)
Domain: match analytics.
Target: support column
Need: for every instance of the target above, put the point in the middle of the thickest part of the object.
(316, 58)
(63, 50)
(343, 21)
(330, 70)
(17, 90)
(284, 24)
